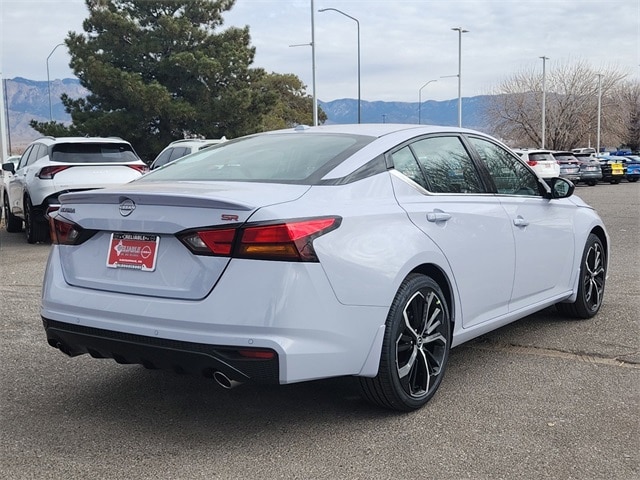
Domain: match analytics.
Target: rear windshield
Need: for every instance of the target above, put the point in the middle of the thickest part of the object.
(565, 157)
(93, 153)
(282, 158)
(541, 157)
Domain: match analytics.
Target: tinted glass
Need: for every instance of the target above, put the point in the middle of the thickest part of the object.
(93, 153)
(447, 165)
(541, 157)
(23, 160)
(179, 152)
(406, 163)
(287, 158)
(509, 174)
(162, 158)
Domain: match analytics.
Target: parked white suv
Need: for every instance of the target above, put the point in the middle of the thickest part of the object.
(52, 166)
(180, 148)
(541, 161)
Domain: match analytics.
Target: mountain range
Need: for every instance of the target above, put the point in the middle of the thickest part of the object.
(27, 100)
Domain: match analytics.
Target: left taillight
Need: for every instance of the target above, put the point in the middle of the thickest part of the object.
(286, 241)
(47, 173)
(66, 232)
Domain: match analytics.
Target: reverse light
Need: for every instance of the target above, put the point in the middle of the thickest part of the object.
(288, 241)
(47, 173)
(211, 242)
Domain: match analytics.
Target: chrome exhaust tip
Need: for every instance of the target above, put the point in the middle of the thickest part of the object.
(224, 381)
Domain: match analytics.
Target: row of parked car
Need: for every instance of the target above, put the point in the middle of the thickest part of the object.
(582, 167)
(31, 182)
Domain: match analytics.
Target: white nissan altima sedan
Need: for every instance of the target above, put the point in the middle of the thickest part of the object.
(363, 250)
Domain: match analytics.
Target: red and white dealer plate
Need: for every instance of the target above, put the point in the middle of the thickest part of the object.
(133, 250)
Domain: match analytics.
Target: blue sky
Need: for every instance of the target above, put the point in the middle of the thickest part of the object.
(403, 43)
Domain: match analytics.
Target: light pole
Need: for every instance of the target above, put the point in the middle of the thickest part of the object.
(599, 112)
(420, 100)
(544, 98)
(313, 67)
(49, 82)
(312, 44)
(460, 31)
(358, 25)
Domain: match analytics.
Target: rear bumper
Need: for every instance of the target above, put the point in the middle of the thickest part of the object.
(157, 353)
(312, 334)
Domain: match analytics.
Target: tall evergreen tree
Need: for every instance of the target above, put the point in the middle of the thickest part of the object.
(159, 70)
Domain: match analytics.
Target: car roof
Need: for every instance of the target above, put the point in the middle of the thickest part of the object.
(57, 140)
(371, 129)
(532, 150)
(190, 142)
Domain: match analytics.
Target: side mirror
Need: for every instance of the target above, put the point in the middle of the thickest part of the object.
(560, 187)
(9, 167)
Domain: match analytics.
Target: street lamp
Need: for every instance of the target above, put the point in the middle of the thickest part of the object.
(49, 82)
(544, 98)
(312, 44)
(599, 111)
(358, 25)
(460, 31)
(420, 100)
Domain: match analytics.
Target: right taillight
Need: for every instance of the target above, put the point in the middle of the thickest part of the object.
(287, 241)
(533, 163)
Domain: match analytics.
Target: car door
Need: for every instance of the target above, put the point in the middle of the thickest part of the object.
(17, 182)
(542, 228)
(448, 202)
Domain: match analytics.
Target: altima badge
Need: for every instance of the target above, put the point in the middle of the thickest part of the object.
(126, 207)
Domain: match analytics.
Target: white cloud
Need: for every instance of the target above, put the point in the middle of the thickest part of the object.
(404, 43)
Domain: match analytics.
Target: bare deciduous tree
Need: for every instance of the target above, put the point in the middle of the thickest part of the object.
(571, 89)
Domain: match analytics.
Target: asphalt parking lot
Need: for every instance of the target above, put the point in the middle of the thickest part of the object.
(543, 398)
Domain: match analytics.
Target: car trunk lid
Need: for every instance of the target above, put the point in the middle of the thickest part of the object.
(134, 247)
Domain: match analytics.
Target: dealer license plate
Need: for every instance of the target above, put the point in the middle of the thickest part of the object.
(133, 250)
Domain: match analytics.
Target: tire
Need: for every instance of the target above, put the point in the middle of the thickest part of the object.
(615, 181)
(592, 276)
(35, 224)
(13, 224)
(592, 183)
(415, 349)
(633, 179)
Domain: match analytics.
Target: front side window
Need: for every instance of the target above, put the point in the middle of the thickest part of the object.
(447, 165)
(509, 174)
(25, 156)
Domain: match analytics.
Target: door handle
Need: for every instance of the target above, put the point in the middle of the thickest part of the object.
(520, 222)
(438, 216)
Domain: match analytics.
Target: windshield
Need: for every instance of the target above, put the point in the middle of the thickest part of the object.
(282, 158)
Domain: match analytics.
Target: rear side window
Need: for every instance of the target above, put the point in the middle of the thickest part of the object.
(93, 153)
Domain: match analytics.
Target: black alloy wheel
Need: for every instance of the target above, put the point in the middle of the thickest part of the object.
(415, 349)
(35, 225)
(593, 273)
(13, 224)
